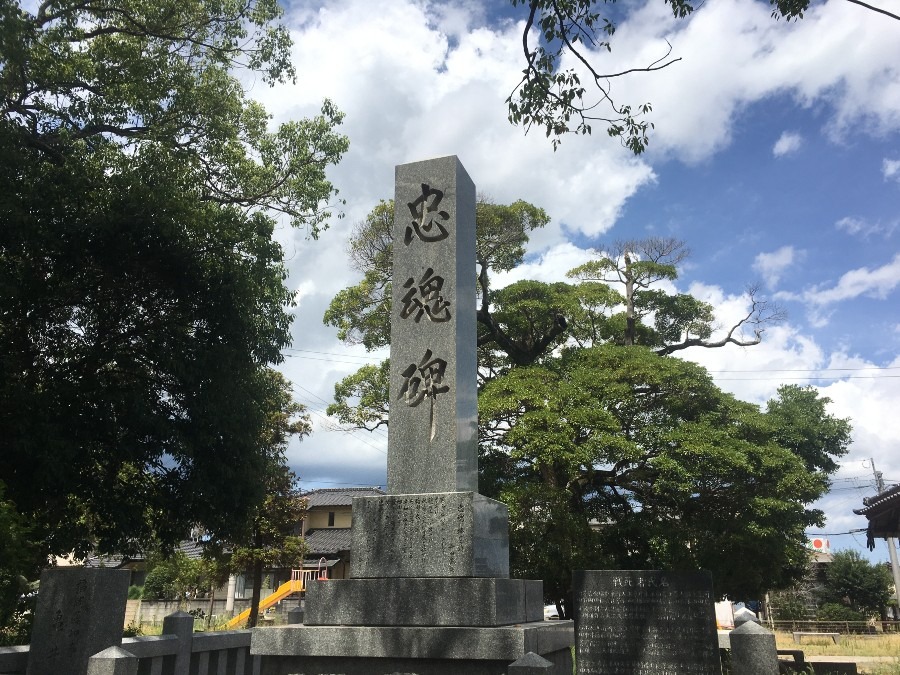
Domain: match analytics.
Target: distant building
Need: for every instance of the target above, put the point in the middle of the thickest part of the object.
(326, 528)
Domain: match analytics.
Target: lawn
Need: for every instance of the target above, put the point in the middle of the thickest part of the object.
(882, 645)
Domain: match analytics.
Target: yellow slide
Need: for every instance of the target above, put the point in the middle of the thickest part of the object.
(288, 587)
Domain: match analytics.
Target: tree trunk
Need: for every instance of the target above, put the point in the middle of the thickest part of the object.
(212, 604)
(254, 603)
(629, 302)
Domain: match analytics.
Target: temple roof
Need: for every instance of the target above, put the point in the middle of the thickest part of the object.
(883, 514)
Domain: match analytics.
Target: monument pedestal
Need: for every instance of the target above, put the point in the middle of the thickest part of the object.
(368, 650)
(423, 602)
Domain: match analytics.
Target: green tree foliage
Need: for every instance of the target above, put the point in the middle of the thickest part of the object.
(679, 321)
(175, 577)
(609, 452)
(562, 99)
(669, 471)
(803, 424)
(833, 611)
(17, 562)
(853, 582)
(362, 312)
(141, 295)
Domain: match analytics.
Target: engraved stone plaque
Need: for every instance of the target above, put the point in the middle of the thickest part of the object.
(451, 534)
(433, 397)
(634, 622)
(80, 612)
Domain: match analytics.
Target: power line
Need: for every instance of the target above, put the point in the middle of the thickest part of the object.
(806, 370)
(331, 423)
(810, 377)
(347, 356)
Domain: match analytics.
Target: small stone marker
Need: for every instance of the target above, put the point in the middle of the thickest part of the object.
(295, 615)
(80, 612)
(647, 622)
(530, 664)
(743, 615)
(753, 650)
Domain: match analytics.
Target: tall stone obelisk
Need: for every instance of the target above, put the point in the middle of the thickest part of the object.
(433, 523)
(432, 439)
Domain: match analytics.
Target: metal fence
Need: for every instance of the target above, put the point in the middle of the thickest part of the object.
(846, 627)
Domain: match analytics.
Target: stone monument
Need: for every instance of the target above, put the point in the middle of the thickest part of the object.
(429, 588)
(80, 612)
(646, 622)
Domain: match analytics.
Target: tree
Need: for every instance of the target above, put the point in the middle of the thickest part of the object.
(679, 321)
(562, 99)
(16, 558)
(659, 468)
(608, 451)
(175, 577)
(272, 539)
(361, 313)
(141, 295)
(803, 424)
(855, 583)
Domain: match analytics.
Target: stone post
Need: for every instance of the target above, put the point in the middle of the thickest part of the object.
(753, 650)
(181, 625)
(742, 616)
(113, 661)
(530, 664)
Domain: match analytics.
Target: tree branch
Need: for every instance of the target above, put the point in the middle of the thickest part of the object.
(875, 9)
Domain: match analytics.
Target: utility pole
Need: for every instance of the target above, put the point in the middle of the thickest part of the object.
(891, 542)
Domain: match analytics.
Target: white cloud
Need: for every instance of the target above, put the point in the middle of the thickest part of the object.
(733, 53)
(788, 143)
(855, 225)
(549, 267)
(876, 283)
(772, 265)
(890, 169)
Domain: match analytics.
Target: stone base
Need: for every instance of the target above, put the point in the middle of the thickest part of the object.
(444, 534)
(424, 602)
(365, 650)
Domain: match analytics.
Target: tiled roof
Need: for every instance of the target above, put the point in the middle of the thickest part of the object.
(883, 513)
(191, 548)
(339, 496)
(328, 542)
(872, 503)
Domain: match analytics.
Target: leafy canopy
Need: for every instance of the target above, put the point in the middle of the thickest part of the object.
(661, 469)
(142, 298)
(853, 582)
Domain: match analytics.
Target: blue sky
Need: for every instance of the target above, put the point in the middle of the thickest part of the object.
(776, 157)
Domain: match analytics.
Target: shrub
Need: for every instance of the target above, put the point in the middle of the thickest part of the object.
(832, 611)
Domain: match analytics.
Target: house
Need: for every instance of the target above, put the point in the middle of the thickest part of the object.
(137, 564)
(326, 528)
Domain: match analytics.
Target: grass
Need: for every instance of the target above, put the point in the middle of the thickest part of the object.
(882, 644)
